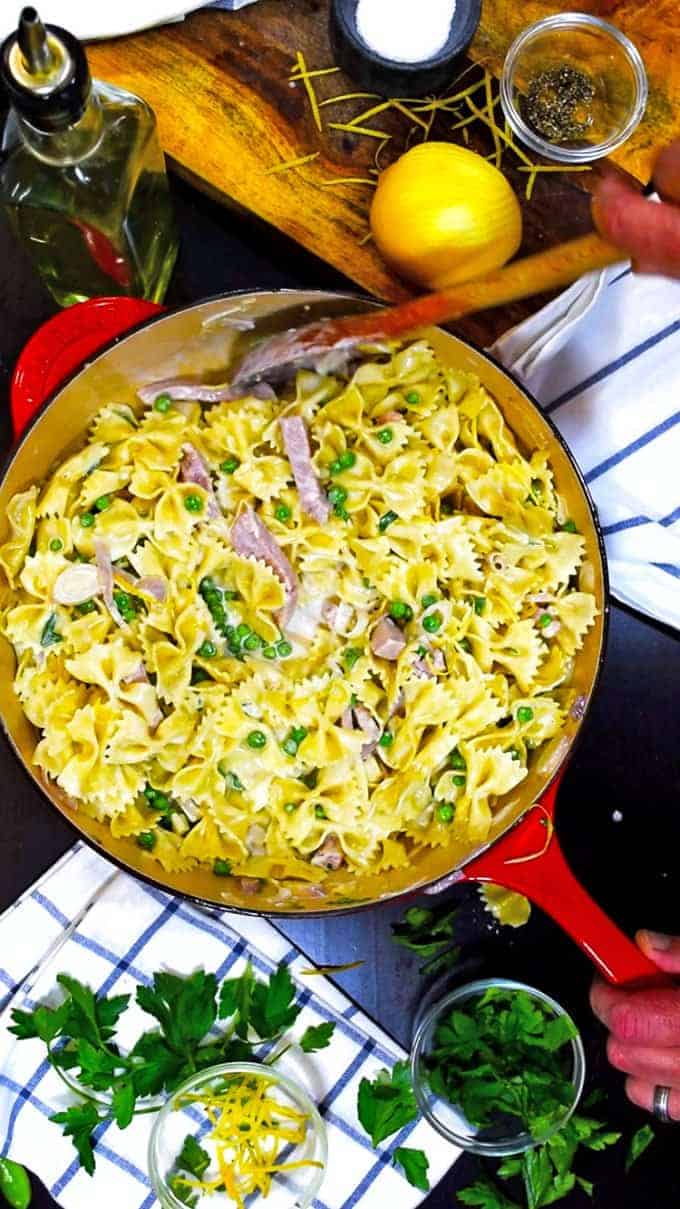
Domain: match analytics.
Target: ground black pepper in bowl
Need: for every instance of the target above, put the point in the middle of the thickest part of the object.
(558, 103)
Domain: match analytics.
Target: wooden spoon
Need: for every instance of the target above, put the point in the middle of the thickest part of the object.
(280, 355)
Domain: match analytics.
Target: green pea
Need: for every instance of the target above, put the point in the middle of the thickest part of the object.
(445, 812)
(432, 622)
(229, 465)
(150, 793)
(284, 648)
(290, 807)
(569, 527)
(207, 584)
(207, 650)
(335, 467)
(479, 604)
(146, 840)
(385, 436)
(162, 803)
(400, 611)
(15, 1185)
(320, 812)
(525, 713)
(430, 598)
(456, 759)
(243, 630)
(386, 739)
(412, 398)
(87, 520)
(465, 645)
(221, 868)
(193, 503)
(162, 404)
(56, 545)
(459, 780)
(85, 607)
(252, 642)
(199, 676)
(122, 600)
(290, 747)
(347, 459)
(282, 512)
(102, 503)
(299, 733)
(257, 739)
(544, 620)
(387, 519)
(269, 652)
(337, 495)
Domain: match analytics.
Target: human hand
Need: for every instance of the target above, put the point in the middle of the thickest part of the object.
(647, 230)
(644, 1027)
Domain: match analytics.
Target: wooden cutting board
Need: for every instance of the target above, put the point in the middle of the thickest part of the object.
(228, 114)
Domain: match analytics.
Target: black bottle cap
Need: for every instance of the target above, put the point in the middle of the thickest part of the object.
(46, 73)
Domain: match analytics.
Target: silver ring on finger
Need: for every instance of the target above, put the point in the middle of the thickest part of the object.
(660, 1104)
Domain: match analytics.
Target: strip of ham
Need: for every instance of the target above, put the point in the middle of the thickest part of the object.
(387, 640)
(296, 444)
(105, 570)
(329, 854)
(251, 538)
(201, 392)
(139, 676)
(370, 728)
(148, 585)
(192, 469)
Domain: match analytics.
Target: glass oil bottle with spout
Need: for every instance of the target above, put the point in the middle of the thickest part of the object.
(82, 174)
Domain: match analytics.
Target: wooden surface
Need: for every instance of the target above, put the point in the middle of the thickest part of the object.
(228, 114)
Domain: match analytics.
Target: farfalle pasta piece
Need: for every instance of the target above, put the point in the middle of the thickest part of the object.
(21, 517)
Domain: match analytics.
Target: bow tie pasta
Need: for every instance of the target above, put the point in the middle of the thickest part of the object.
(286, 637)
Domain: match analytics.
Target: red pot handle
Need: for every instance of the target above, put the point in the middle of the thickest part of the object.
(548, 881)
(63, 343)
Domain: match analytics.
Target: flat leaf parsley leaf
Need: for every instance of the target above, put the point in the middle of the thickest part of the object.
(317, 1037)
(414, 1164)
(386, 1103)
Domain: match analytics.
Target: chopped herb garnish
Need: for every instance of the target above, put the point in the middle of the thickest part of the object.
(465, 645)
(479, 604)
(414, 1164)
(569, 527)
(50, 635)
(387, 519)
(351, 655)
(85, 607)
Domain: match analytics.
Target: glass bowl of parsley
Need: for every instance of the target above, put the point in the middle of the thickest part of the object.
(497, 1067)
(235, 1133)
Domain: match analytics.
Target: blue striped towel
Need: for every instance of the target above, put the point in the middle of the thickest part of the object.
(603, 360)
(96, 923)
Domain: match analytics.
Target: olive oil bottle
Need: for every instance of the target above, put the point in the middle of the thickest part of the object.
(82, 174)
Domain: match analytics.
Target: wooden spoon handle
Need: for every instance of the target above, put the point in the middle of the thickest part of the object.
(535, 274)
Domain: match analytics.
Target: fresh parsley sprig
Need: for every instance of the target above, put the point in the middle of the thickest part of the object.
(80, 1035)
(429, 933)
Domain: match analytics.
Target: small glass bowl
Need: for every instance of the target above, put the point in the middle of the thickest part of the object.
(292, 1188)
(449, 1119)
(605, 55)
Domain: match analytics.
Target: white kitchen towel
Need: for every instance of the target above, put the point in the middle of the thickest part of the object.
(603, 360)
(92, 921)
(107, 18)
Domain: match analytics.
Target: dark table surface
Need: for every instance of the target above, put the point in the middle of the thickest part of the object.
(627, 761)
